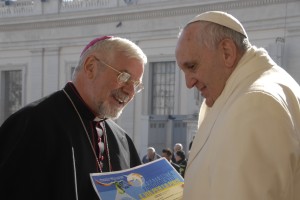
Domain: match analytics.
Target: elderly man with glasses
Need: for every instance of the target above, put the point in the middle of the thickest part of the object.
(49, 148)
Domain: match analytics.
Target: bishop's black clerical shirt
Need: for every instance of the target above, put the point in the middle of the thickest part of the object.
(45, 152)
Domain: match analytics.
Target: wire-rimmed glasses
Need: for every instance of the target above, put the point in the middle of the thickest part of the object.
(124, 78)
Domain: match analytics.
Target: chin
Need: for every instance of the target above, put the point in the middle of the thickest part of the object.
(209, 103)
(110, 112)
(114, 115)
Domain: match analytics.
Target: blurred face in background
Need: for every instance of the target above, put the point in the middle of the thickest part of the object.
(165, 155)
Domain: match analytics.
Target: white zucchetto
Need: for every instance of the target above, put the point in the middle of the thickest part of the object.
(221, 18)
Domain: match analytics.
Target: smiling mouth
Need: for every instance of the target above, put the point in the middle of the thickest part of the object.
(120, 100)
(202, 90)
(120, 97)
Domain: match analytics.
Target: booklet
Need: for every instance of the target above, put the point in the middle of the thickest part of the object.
(156, 180)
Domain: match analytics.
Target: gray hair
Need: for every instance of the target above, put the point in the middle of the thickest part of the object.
(213, 33)
(179, 144)
(151, 149)
(109, 47)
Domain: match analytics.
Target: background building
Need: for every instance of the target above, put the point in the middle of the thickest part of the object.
(41, 40)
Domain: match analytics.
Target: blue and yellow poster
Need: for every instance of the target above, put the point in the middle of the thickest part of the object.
(156, 180)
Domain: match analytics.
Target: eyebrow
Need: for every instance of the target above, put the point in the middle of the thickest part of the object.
(189, 63)
(121, 71)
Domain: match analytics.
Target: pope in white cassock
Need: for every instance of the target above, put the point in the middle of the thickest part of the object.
(247, 144)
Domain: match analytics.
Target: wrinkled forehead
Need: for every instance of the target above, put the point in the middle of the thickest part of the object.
(188, 47)
(182, 43)
(189, 35)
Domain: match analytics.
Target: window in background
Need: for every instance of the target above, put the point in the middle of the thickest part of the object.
(163, 88)
(11, 92)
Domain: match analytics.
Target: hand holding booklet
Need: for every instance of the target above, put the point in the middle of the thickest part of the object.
(156, 180)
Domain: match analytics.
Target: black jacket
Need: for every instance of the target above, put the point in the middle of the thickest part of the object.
(44, 146)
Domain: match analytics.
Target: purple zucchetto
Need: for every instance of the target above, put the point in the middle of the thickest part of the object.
(94, 41)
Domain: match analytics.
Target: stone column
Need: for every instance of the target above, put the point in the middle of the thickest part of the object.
(51, 70)
(169, 133)
(280, 42)
(34, 78)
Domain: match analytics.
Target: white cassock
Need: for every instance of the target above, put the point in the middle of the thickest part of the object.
(247, 146)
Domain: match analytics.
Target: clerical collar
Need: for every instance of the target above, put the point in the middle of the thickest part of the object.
(97, 119)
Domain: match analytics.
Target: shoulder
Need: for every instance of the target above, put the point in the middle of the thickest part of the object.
(116, 130)
(48, 102)
(32, 114)
(112, 124)
(260, 100)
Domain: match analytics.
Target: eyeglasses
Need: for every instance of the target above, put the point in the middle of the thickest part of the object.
(124, 78)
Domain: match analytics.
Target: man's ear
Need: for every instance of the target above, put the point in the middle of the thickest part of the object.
(89, 67)
(229, 50)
